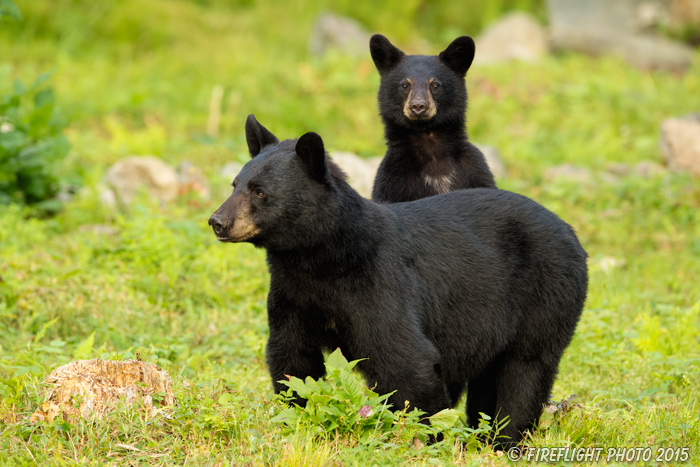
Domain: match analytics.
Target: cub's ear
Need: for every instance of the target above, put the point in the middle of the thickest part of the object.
(384, 54)
(257, 136)
(312, 153)
(459, 55)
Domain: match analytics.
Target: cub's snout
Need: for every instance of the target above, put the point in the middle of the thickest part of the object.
(419, 103)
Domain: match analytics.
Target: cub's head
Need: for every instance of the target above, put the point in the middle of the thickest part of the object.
(422, 90)
(280, 193)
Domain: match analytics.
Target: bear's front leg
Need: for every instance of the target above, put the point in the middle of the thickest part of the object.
(410, 366)
(289, 357)
(292, 349)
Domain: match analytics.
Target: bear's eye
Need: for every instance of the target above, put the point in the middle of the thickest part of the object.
(435, 85)
(260, 193)
(405, 85)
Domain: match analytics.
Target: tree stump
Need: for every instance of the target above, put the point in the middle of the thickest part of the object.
(91, 388)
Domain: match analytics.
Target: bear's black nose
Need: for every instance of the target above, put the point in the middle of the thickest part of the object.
(216, 223)
(418, 107)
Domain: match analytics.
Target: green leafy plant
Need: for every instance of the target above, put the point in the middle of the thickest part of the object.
(32, 144)
(340, 405)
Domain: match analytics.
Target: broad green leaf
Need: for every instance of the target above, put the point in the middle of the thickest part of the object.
(12, 141)
(336, 361)
(333, 425)
(39, 120)
(43, 97)
(225, 399)
(41, 79)
(311, 384)
(8, 8)
(288, 416)
(320, 399)
(332, 410)
(19, 88)
(353, 363)
(352, 387)
(297, 386)
(444, 419)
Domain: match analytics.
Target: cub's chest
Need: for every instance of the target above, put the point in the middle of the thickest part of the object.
(439, 183)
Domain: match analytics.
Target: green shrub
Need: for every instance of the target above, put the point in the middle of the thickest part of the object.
(340, 405)
(32, 144)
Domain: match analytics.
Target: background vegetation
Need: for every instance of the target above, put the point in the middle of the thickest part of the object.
(135, 77)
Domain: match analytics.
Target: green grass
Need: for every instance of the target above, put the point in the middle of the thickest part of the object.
(135, 78)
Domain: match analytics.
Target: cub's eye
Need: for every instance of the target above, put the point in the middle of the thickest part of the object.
(435, 85)
(405, 85)
(260, 193)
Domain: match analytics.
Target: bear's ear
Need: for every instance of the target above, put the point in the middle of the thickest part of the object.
(459, 55)
(257, 136)
(312, 153)
(384, 54)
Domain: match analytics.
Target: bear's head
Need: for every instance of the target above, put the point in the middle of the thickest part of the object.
(422, 91)
(280, 193)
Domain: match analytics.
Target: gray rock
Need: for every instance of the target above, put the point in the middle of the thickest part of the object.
(569, 172)
(646, 52)
(648, 169)
(682, 13)
(494, 160)
(66, 194)
(107, 197)
(230, 170)
(621, 27)
(191, 178)
(135, 173)
(619, 170)
(624, 16)
(652, 52)
(99, 229)
(627, 16)
(608, 178)
(360, 172)
(515, 36)
(608, 263)
(645, 169)
(680, 143)
(339, 32)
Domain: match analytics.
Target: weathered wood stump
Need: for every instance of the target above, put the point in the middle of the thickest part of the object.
(91, 388)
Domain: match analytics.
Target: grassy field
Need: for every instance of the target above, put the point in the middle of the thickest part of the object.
(95, 281)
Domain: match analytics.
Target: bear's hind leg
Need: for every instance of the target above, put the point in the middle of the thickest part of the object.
(523, 388)
(481, 397)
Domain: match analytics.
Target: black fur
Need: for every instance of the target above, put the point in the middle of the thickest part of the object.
(479, 288)
(425, 155)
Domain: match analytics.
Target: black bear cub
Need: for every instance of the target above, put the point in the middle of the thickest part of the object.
(422, 101)
(479, 289)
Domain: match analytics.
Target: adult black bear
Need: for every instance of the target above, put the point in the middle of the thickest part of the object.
(478, 286)
(422, 101)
